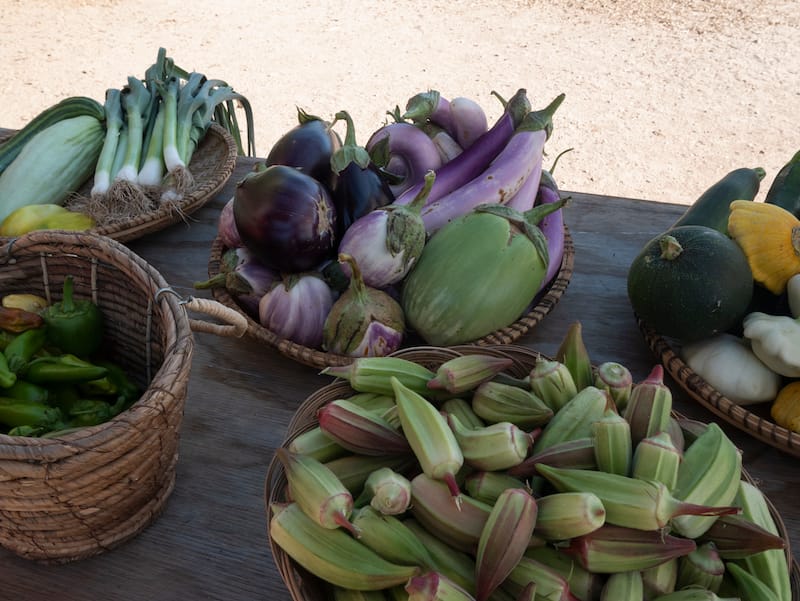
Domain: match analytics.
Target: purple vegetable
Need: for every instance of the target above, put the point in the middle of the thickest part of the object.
(387, 242)
(430, 106)
(364, 321)
(287, 218)
(516, 162)
(446, 145)
(525, 197)
(474, 160)
(469, 120)
(405, 152)
(226, 227)
(552, 226)
(296, 308)
(244, 277)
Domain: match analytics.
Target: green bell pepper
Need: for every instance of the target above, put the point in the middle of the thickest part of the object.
(74, 326)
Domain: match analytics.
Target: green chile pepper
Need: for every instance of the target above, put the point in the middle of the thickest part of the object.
(90, 412)
(74, 326)
(115, 383)
(62, 369)
(7, 377)
(15, 413)
(5, 339)
(27, 391)
(22, 349)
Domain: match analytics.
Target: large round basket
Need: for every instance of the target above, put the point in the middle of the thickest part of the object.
(211, 165)
(304, 586)
(544, 302)
(754, 419)
(84, 492)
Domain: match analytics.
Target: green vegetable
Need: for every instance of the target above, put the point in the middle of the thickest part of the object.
(62, 369)
(22, 349)
(785, 188)
(53, 164)
(27, 391)
(476, 274)
(711, 208)
(90, 412)
(115, 383)
(7, 377)
(15, 413)
(74, 326)
(690, 283)
(74, 106)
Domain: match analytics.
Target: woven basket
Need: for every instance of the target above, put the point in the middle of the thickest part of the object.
(87, 491)
(754, 419)
(541, 306)
(304, 586)
(211, 166)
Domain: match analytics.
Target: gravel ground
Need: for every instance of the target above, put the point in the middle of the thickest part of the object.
(662, 97)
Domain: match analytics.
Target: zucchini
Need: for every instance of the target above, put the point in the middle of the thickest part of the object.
(711, 209)
(785, 188)
(690, 283)
(53, 164)
(74, 106)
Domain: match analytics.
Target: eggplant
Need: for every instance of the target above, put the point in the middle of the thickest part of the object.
(308, 147)
(244, 277)
(226, 226)
(286, 218)
(469, 121)
(404, 152)
(296, 308)
(474, 160)
(520, 159)
(431, 107)
(552, 225)
(360, 187)
(477, 274)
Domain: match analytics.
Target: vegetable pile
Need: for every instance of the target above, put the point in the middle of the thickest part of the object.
(724, 282)
(134, 148)
(52, 374)
(466, 482)
(439, 227)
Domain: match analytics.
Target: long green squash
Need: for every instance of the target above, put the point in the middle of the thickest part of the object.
(52, 165)
(476, 274)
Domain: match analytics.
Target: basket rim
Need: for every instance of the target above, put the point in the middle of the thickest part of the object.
(208, 183)
(545, 301)
(178, 348)
(706, 395)
(293, 575)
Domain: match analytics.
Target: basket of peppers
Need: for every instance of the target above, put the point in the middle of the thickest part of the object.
(94, 371)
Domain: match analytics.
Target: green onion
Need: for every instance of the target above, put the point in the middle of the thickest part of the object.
(135, 100)
(114, 125)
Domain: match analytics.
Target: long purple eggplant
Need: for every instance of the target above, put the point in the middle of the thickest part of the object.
(519, 160)
(407, 153)
(552, 226)
(525, 197)
(475, 159)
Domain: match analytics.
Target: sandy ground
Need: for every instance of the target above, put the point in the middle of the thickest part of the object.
(662, 97)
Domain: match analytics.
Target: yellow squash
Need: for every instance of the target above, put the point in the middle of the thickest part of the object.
(785, 409)
(770, 238)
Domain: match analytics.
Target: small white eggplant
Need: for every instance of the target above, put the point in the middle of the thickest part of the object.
(364, 321)
(387, 242)
(296, 308)
(728, 364)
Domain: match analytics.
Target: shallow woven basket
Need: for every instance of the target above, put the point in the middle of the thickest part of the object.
(211, 165)
(304, 586)
(540, 307)
(87, 491)
(753, 419)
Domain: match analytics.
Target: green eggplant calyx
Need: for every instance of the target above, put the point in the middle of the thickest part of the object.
(542, 119)
(303, 117)
(420, 106)
(350, 151)
(422, 196)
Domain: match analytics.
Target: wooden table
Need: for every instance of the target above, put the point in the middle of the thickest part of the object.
(211, 540)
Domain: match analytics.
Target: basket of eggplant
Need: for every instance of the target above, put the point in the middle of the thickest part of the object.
(441, 229)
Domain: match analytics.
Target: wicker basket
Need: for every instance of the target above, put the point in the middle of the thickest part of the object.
(304, 586)
(211, 166)
(754, 420)
(544, 302)
(77, 495)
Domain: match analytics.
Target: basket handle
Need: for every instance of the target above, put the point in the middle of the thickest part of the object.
(235, 323)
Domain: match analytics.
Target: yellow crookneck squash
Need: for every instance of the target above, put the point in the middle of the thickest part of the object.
(769, 236)
(785, 409)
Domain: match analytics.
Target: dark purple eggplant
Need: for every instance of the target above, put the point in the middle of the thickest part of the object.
(308, 146)
(286, 218)
(360, 187)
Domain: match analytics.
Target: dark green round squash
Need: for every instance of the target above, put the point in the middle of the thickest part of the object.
(690, 283)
